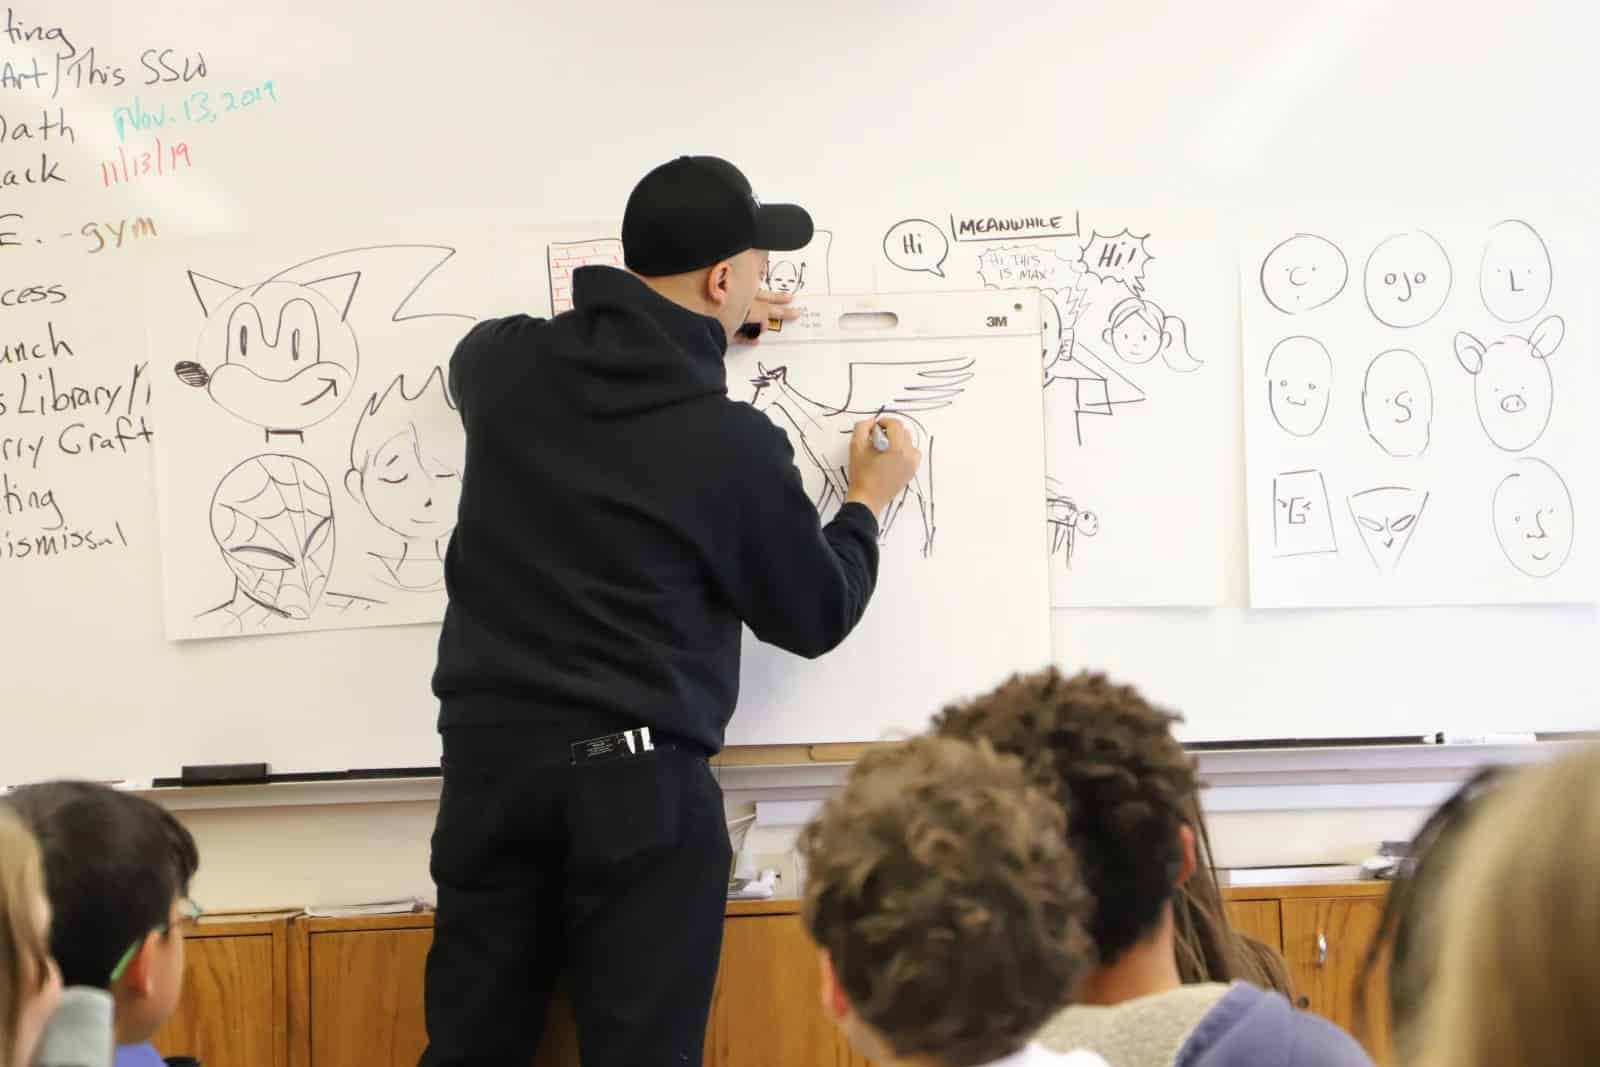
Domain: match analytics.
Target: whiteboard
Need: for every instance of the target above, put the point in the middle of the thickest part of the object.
(1213, 124)
(965, 541)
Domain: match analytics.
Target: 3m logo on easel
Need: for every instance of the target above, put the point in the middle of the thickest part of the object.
(995, 321)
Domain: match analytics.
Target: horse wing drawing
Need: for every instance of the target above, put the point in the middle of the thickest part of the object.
(925, 385)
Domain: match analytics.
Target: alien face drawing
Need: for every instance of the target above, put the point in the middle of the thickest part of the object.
(1386, 517)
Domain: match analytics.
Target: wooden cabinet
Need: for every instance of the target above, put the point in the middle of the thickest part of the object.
(268, 991)
(234, 1008)
(1260, 919)
(1324, 934)
(361, 1004)
(768, 1006)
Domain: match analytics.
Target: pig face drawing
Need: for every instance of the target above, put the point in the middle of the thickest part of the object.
(1512, 385)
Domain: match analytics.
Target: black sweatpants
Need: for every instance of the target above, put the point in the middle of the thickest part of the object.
(613, 874)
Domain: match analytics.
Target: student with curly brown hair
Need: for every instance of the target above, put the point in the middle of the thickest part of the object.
(947, 907)
(1130, 792)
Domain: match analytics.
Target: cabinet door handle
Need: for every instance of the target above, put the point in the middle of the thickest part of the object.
(1322, 949)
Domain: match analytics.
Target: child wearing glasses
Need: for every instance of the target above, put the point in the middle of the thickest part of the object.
(117, 872)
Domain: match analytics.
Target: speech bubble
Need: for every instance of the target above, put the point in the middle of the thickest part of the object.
(917, 245)
(1026, 267)
(1119, 257)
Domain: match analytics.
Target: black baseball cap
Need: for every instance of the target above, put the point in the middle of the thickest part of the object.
(699, 210)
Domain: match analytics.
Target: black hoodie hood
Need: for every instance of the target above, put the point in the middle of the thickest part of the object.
(625, 349)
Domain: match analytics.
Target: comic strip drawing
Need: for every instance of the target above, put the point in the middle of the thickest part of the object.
(564, 257)
(1098, 390)
(1303, 273)
(1514, 277)
(802, 271)
(1299, 384)
(1386, 517)
(281, 354)
(1051, 338)
(1094, 313)
(1397, 403)
(1512, 385)
(272, 520)
(822, 431)
(785, 277)
(1138, 329)
(1407, 279)
(406, 458)
(1302, 523)
(1065, 522)
(1533, 518)
(917, 246)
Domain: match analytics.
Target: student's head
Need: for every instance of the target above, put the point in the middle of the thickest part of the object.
(117, 869)
(1131, 792)
(695, 232)
(406, 457)
(30, 985)
(1519, 928)
(946, 904)
(1407, 940)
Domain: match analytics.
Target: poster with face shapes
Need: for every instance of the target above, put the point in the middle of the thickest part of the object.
(310, 451)
(1416, 420)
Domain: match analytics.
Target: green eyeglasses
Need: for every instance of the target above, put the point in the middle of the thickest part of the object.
(188, 914)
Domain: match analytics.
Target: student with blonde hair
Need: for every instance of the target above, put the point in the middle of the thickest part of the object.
(1519, 926)
(30, 984)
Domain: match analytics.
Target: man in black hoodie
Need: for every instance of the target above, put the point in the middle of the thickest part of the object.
(621, 519)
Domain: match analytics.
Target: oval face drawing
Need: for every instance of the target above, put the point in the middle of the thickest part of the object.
(1397, 403)
(1533, 518)
(1299, 384)
(1514, 277)
(1407, 279)
(1303, 273)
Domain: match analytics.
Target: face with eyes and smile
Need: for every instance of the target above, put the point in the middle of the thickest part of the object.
(278, 355)
(1407, 279)
(1299, 384)
(410, 491)
(1533, 518)
(1303, 273)
(406, 458)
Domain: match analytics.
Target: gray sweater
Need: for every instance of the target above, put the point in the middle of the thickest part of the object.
(1207, 1025)
(80, 1033)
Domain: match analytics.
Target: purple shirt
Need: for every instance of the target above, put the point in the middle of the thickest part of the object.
(138, 1056)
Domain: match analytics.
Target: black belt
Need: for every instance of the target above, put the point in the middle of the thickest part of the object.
(623, 745)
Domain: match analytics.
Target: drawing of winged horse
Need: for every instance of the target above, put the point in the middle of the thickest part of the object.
(821, 432)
